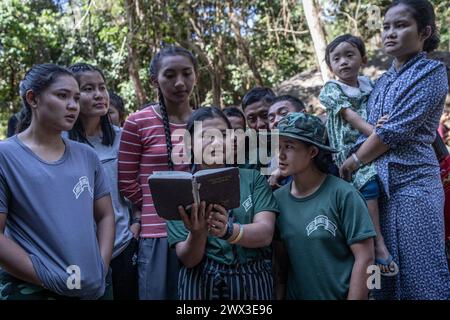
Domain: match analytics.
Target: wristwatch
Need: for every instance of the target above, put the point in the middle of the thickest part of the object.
(229, 231)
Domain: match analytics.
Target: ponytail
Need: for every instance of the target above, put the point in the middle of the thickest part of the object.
(170, 50)
(166, 123)
(24, 119)
(37, 79)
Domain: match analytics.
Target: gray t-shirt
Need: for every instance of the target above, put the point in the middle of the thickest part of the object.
(50, 209)
(108, 157)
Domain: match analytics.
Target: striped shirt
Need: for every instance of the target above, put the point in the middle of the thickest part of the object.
(142, 151)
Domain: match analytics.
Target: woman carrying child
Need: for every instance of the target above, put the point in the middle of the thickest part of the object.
(346, 100)
(412, 94)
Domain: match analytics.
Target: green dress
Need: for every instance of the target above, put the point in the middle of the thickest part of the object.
(335, 96)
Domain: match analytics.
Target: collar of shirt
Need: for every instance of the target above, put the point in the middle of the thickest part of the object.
(394, 72)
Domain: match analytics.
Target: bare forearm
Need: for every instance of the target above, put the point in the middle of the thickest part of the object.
(15, 261)
(357, 122)
(255, 235)
(191, 251)
(358, 281)
(105, 237)
(362, 126)
(366, 129)
(371, 149)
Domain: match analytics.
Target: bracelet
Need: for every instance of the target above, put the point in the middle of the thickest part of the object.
(136, 220)
(356, 159)
(239, 236)
(229, 231)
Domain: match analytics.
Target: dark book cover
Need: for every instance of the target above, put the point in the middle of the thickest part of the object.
(170, 189)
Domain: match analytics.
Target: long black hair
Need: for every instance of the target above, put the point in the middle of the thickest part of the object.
(117, 101)
(166, 51)
(235, 112)
(423, 12)
(37, 79)
(78, 132)
(201, 114)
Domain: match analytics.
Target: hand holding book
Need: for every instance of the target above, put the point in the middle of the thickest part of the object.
(196, 221)
(203, 219)
(217, 221)
(170, 189)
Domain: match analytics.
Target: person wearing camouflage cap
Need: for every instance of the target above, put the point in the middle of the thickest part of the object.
(305, 127)
(324, 225)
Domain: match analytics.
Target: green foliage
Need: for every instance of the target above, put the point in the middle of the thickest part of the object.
(271, 42)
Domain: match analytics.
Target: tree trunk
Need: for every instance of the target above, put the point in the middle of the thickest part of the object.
(133, 66)
(215, 77)
(243, 46)
(12, 87)
(211, 66)
(318, 36)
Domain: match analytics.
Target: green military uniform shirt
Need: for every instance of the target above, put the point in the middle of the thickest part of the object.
(318, 231)
(256, 196)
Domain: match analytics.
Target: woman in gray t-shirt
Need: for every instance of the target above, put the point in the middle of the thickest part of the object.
(94, 128)
(56, 215)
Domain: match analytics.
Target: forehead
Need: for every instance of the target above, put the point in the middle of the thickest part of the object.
(236, 121)
(91, 77)
(178, 62)
(214, 123)
(281, 105)
(257, 107)
(65, 82)
(344, 47)
(399, 12)
(285, 140)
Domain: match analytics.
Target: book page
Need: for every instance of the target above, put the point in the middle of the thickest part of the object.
(171, 175)
(211, 171)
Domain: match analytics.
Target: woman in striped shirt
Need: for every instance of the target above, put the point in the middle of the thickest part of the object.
(148, 138)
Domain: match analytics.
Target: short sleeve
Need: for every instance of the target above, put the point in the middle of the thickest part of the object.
(263, 198)
(5, 194)
(414, 105)
(333, 99)
(355, 219)
(101, 185)
(176, 232)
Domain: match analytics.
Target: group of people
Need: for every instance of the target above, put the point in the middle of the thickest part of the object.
(77, 218)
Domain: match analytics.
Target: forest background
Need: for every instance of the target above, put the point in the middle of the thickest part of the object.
(239, 44)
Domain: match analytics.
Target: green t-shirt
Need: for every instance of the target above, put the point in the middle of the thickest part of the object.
(317, 231)
(256, 196)
(253, 155)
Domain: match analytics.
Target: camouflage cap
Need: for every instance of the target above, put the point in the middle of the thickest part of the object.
(304, 127)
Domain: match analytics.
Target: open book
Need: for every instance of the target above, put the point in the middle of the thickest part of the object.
(173, 188)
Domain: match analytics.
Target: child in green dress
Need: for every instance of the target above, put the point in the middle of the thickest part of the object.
(345, 100)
